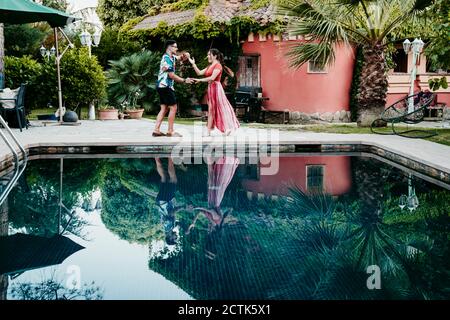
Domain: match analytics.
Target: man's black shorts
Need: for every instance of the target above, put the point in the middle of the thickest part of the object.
(167, 96)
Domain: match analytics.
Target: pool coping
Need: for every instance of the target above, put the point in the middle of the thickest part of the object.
(409, 161)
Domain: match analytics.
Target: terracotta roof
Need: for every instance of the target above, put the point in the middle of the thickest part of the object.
(217, 11)
(171, 18)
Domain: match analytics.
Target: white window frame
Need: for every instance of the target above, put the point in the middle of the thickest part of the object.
(324, 71)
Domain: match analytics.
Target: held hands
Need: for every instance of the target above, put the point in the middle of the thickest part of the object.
(191, 81)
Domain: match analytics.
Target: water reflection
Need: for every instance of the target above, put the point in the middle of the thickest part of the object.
(223, 231)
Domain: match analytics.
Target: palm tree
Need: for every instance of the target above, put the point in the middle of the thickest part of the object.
(132, 79)
(361, 23)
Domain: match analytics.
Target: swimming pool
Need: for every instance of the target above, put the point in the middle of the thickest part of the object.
(318, 227)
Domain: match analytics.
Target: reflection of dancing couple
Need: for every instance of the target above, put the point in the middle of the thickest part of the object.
(220, 174)
(220, 112)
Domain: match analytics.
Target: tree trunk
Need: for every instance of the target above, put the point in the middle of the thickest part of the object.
(2, 55)
(373, 86)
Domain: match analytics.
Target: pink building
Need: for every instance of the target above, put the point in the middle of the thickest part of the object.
(308, 93)
(328, 174)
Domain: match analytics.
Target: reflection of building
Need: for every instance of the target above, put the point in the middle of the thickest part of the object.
(330, 174)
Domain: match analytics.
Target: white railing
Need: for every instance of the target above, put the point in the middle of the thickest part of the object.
(19, 167)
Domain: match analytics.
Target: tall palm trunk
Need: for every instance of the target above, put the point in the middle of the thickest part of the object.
(2, 55)
(373, 86)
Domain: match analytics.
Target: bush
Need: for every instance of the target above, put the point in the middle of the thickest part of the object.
(82, 80)
(23, 70)
(134, 73)
(114, 46)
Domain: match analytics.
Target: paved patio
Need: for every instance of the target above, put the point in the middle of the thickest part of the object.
(138, 133)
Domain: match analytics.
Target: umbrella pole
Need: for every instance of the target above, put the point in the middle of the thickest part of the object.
(58, 68)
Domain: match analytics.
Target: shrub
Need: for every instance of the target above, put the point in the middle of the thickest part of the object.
(82, 79)
(134, 73)
(23, 70)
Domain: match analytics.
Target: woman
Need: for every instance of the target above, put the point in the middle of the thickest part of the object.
(220, 173)
(220, 112)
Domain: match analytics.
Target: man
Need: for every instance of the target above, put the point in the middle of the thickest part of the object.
(166, 91)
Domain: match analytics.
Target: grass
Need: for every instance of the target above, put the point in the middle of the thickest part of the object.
(443, 136)
(34, 113)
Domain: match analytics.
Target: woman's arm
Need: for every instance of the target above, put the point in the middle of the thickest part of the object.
(196, 69)
(211, 78)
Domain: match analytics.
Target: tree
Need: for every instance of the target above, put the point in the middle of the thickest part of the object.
(115, 13)
(56, 4)
(360, 23)
(23, 39)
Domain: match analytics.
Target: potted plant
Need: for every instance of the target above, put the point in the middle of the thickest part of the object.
(106, 112)
(133, 110)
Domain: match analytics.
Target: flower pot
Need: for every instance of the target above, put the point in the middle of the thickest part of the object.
(108, 114)
(135, 113)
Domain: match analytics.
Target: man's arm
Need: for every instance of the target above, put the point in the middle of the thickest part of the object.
(179, 79)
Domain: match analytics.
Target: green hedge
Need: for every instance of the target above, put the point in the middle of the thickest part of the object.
(82, 79)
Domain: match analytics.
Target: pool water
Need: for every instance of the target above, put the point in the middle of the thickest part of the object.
(318, 227)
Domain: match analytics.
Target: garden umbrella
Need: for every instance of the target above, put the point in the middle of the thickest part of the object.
(26, 11)
(22, 252)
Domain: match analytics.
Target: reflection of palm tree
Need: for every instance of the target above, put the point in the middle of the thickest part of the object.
(343, 240)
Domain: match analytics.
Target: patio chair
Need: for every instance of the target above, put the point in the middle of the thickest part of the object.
(400, 113)
(18, 109)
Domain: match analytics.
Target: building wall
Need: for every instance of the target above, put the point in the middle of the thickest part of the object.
(299, 90)
(292, 171)
(399, 83)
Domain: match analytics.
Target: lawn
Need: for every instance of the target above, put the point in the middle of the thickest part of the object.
(443, 136)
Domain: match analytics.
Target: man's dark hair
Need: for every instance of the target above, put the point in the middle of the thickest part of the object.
(169, 43)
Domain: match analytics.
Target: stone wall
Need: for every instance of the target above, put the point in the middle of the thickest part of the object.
(297, 117)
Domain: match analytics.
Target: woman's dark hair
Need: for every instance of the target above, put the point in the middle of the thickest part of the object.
(221, 59)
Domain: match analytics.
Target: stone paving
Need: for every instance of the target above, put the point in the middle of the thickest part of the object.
(138, 133)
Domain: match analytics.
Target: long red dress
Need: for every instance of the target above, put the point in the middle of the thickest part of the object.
(221, 110)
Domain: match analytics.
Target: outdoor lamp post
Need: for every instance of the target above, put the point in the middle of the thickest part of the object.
(411, 201)
(88, 40)
(47, 53)
(416, 48)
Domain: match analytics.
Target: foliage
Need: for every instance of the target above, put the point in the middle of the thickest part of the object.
(357, 68)
(433, 27)
(113, 46)
(56, 4)
(52, 289)
(34, 202)
(82, 80)
(437, 83)
(115, 13)
(182, 5)
(23, 39)
(132, 78)
(21, 70)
